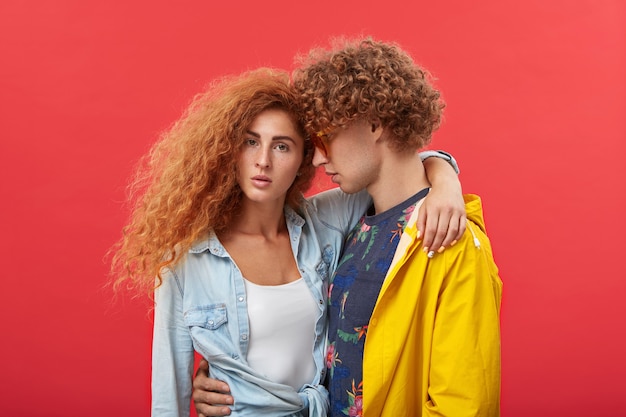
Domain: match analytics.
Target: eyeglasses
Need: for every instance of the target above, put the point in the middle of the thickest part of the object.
(321, 140)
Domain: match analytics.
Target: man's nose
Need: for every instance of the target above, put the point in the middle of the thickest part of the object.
(319, 158)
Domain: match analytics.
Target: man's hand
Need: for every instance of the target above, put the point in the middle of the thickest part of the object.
(210, 395)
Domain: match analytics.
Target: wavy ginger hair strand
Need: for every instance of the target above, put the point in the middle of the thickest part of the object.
(187, 184)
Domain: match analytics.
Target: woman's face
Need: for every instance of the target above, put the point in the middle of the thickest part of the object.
(271, 156)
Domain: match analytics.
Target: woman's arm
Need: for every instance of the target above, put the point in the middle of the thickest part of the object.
(172, 352)
(442, 216)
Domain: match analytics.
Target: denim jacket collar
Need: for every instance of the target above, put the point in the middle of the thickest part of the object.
(211, 243)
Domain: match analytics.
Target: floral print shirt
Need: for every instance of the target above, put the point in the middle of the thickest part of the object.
(354, 288)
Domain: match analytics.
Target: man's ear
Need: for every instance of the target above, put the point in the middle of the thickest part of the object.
(377, 128)
(375, 122)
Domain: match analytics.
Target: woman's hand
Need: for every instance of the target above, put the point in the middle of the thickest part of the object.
(441, 218)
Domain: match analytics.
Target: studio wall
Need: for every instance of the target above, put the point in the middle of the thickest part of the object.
(536, 106)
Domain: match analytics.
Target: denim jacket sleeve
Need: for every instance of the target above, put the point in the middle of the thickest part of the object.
(172, 351)
(340, 211)
(424, 155)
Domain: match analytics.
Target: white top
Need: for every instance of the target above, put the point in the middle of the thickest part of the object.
(282, 331)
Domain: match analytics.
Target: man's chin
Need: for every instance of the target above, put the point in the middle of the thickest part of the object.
(348, 190)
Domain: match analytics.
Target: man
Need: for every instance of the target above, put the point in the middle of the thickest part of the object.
(410, 335)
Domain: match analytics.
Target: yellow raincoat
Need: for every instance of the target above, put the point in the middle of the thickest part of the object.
(433, 342)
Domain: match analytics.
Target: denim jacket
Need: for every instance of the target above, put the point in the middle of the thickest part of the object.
(201, 306)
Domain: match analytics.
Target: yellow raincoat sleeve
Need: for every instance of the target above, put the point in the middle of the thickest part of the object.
(464, 376)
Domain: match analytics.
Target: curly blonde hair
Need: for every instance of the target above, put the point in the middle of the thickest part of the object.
(368, 79)
(187, 184)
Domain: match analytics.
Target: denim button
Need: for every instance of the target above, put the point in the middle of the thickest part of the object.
(240, 298)
(244, 337)
(211, 322)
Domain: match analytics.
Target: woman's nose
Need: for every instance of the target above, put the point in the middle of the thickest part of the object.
(263, 159)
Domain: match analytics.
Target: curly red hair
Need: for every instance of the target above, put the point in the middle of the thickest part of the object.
(367, 79)
(187, 184)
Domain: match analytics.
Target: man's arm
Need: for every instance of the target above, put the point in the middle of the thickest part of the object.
(441, 220)
(464, 376)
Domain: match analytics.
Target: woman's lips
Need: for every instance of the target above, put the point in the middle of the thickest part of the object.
(261, 181)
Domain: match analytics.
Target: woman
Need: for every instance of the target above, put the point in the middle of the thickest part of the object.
(241, 259)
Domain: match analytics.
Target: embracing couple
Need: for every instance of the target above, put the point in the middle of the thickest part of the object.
(377, 298)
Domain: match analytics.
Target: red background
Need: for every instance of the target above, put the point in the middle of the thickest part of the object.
(536, 116)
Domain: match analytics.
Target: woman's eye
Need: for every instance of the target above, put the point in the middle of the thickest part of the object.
(250, 142)
(282, 147)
